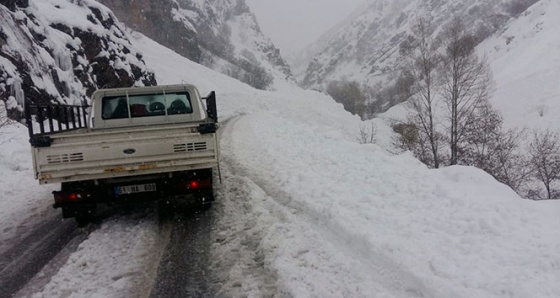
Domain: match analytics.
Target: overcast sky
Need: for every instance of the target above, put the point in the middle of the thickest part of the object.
(293, 24)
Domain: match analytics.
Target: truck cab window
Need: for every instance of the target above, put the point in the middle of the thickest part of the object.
(115, 108)
(146, 105)
(179, 106)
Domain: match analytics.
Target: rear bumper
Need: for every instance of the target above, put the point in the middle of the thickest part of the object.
(191, 187)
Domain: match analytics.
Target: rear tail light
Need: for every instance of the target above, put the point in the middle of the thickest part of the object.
(66, 197)
(196, 184)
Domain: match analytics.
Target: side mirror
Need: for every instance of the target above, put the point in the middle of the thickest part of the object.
(211, 108)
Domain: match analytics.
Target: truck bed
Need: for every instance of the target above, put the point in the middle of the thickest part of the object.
(83, 154)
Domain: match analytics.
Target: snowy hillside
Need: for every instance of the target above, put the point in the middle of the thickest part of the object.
(366, 47)
(525, 59)
(304, 210)
(223, 35)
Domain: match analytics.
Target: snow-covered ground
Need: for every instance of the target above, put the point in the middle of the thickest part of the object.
(304, 210)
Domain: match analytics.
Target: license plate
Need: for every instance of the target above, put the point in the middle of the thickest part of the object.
(130, 189)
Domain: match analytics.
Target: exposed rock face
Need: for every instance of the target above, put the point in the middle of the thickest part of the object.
(13, 4)
(221, 34)
(44, 60)
(155, 20)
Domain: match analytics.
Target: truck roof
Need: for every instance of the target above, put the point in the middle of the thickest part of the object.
(143, 90)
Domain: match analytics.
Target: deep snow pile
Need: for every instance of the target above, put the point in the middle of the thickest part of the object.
(307, 211)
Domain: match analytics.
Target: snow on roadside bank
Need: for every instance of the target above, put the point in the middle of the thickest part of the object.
(23, 201)
(390, 222)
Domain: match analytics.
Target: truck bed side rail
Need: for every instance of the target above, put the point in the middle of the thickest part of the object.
(43, 120)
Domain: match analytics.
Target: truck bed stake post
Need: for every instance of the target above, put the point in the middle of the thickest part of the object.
(58, 117)
(49, 116)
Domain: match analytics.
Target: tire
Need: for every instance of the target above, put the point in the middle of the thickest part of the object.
(83, 220)
(83, 214)
(164, 211)
(205, 207)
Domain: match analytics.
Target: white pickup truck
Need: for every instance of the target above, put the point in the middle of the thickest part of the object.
(133, 144)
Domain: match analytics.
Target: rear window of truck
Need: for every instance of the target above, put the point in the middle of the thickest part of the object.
(135, 106)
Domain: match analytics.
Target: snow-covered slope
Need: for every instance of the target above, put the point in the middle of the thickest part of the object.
(525, 59)
(223, 35)
(365, 48)
(306, 211)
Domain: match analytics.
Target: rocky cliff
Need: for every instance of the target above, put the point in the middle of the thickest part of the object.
(60, 51)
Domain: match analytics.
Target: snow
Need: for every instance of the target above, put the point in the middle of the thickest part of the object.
(22, 199)
(99, 259)
(306, 211)
(527, 88)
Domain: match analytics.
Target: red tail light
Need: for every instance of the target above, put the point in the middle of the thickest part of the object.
(194, 185)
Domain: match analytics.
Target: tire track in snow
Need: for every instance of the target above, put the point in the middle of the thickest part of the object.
(184, 263)
(391, 275)
(34, 250)
(238, 258)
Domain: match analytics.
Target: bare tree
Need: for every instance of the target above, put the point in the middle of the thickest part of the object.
(467, 81)
(513, 167)
(545, 159)
(487, 146)
(422, 58)
(407, 136)
(349, 94)
(480, 138)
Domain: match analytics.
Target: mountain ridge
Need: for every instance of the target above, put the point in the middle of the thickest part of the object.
(365, 48)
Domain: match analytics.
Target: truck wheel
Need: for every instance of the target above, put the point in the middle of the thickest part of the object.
(83, 220)
(164, 211)
(205, 200)
(205, 207)
(83, 215)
